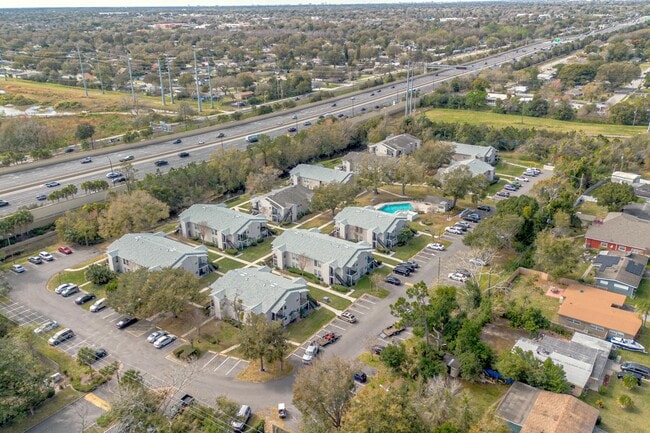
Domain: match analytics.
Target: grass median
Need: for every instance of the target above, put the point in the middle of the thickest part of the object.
(301, 330)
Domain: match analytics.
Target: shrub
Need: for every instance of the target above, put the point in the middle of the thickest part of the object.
(625, 401)
(99, 274)
(187, 352)
(231, 251)
(599, 404)
(341, 289)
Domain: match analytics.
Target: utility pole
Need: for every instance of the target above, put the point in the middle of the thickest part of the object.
(99, 70)
(169, 76)
(196, 79)
(128, 60)
(210, 84)
(406, 100)
(83, 77)
(162, 86)
(4, 69)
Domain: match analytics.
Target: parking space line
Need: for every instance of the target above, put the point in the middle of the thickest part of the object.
(365, 298)
(109, 315)
(211, 359)
(336, 326)
(224, 361)
(233, 367)
(356, 311)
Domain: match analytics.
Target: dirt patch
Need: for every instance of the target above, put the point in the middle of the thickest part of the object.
(190, 318)
(271, 372)
(500, 336)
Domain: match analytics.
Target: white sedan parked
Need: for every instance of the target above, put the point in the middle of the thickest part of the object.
(521, 179)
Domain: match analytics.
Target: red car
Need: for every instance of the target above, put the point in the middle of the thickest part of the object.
(65, 250)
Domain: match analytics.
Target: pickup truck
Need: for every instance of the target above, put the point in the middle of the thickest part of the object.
(328, 338)
(179, 406)
(310, 353)
(393, 329)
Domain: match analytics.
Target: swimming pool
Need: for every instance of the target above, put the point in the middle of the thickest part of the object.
(396, 207)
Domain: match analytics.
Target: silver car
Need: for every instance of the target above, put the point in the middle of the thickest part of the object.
(46, 327)
(164, 341)
(154, 336)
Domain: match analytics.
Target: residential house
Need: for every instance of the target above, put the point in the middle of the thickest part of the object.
(315, 176)
(597, 312)
(530, 410)
(639, 210)
(642, 191)
(154, 251)
(367, 224)
(351, 161)
(226, 228)
(583, 360)
(245, 291)
(332, 260)
(625, 177)
(620, 232)
(283, 205)
(620, 273)
(439, 204)
(476, 167)
(470, 151)
(396, 146)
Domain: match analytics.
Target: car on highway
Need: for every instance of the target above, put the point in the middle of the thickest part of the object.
(35, 260)
(307, 123)
(484, 208)
(521, 179)
(454, 230)
(390, 279)
(348, 317)
(183, 154)
(294, 117)
(86, 160)
(46, 256)
(177, 141)
(125, 322)
(52, 184)
(503, 194)
(241, 418)
(70, 290)
(62, 287)
(292, 129)
(334, 104)
(201, 142)
(113, 174)
(19, 269)
(376, 107)
(163, 341)
(119, 180)
(340, 115)
(99, 305)
(221, 135)
(65, 250)
(155, 335)
(4, 203)
(436, 246)
(160, 163)
(48, 326)
(127, 158)
(457, 277)
(41, 197)
(86, 297)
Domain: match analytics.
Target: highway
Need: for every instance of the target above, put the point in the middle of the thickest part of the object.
(22, 188)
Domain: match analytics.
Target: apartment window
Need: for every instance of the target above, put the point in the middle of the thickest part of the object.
(616, 333)
(316, 264)
(597, 328)
(603, 244)
(574, 321)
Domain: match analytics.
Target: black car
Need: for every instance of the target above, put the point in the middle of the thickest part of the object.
(639, 369)
(87, 297)
(100, 353)
(472, 217)
(361, 377)
(402, 270)
(292, 129)
(177, 141)
(4, 203)
(334, 104)
(393, 280)
(407, 265)
(221, 135)
(184, 154)
(484, 208)
(637, 376)
(160, 163)
(119, 180)
(503, 194)
(378, 349)
(125, 322)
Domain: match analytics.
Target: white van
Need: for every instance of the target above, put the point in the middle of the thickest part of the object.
(60, 337)
(99, 305)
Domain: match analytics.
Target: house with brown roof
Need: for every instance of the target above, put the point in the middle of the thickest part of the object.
(620, 232)
(530, 410)
(620, 273)
(596, 312)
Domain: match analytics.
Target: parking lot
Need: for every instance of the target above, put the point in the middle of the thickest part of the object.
(224, 365)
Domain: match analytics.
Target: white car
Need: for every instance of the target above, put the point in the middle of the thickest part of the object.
(454, 230)
(456, 276)
(46, 256)
(478, 262)
(99, 305)
(62, 287)
(164, 341)
(348, 317)
(46, 327)
(19, 269)
(154, 336)
(436, 246)
(312, 350)
(521, 179)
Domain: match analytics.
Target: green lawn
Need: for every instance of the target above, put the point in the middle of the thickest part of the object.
(76, 277)
(482, 396)
(413, 247)
(365, 285)
(328, 228)
(386, 260)
(331, 163)
(335, 301)
(208, 279)
(503, 120)
(503, 168)
(216, 336)
(252, 254)
(591, 208)
(492, 189)
(45, 410)
(324, 218)
(227, 264)
(238, 200)
(301, 330)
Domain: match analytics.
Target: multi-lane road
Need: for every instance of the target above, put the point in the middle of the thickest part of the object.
(21, 188)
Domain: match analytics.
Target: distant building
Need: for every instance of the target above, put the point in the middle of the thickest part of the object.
(620, 273)
(624, 177)
(283, 205)
(396, 146)
(439, 204)
(469, 151)
(350, 162)
(620, 232)
(379, 229)
(476, 167)
(315, 176)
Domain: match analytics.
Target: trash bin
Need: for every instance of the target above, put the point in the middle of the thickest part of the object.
(326, 299)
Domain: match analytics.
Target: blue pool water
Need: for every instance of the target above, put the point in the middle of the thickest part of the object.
(397, 207)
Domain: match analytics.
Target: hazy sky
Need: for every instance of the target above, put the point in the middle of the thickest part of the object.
(163, 3)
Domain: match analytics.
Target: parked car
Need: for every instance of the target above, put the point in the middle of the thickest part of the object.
(70, 290)
(378, 349)
(160, 163)
(413, 263)
(637, 376)
(155, 335)
(454, 230)
(127, 158)
(461, 227)
(311, 351)
(503, 194)
(436, 246)
(41, 197)
(85, 298)
(62, 287)
(19, 269)
(282, 410)
(361, 377)
(46, 327)
(86, 160)
(100, 353)
(484, 208)
(472, 217)
(401, 270)
(509, 187)
(463, 224)
(241, 418)
(530, 173)
(348, 317)
(407, 265)
(164, 341)
(478, 261)
(636, 368)
(99, 305)
(392, 280)
(46, 256)
(60, 337)
(65, 250)
(177, 141)
(52, 184)
(464, 272)
(457, 277)
(184, 154)
(35, 260)
(125, 322)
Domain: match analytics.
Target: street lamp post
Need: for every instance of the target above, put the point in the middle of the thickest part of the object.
(352, 99)
(110, 162)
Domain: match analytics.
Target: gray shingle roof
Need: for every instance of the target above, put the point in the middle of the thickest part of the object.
(622, 229)
(400, 142)
(476, 166)
(472, 150)
(291, 195)
(626, 270)
(257, 288)
(321, 247)
(368, 218)
(320, 173)
(152, 250)
(219, 217)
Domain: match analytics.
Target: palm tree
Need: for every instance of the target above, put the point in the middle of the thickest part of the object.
(643, 308)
